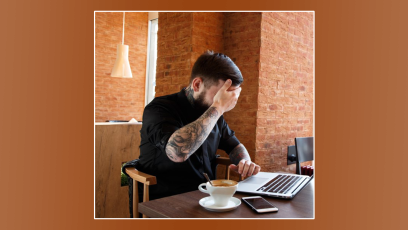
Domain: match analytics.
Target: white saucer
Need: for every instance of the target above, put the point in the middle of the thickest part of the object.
(208, 203)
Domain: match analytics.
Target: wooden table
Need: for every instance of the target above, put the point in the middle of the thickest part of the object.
(186, 206)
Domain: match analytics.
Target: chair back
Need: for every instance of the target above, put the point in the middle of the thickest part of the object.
(291, 154)
(304, 151)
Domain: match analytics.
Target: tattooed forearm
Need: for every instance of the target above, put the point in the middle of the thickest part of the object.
(239, 153)
(188, 139)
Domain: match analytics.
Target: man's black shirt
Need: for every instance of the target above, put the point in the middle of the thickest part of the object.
(161, 118)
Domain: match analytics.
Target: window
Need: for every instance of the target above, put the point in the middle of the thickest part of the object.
(151, 61)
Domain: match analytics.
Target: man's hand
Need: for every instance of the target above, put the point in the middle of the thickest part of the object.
(226, 100)
(241, 162)
(246, 168)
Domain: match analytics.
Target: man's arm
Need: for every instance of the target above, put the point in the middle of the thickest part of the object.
(185, 141)
(241, 161)
(188, 139)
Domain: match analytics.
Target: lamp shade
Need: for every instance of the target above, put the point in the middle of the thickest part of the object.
(121, 68)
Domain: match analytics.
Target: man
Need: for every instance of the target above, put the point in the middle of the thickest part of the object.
(182, 132)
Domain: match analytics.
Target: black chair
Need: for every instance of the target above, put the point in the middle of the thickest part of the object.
(300, 152)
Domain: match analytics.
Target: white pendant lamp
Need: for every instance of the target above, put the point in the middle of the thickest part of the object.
(121, 68)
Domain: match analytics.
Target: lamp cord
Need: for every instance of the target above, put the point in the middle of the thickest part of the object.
(123, 35)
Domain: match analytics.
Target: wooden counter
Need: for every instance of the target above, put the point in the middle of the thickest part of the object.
(115, 143)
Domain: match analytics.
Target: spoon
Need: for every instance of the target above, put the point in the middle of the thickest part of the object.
(206, 176)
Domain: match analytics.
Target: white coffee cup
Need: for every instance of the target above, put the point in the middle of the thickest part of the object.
(221, 192)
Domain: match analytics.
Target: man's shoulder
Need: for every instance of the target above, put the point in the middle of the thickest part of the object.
(163, 99)
(166, 102)
(163, 109)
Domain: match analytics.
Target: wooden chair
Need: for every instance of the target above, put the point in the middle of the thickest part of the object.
(148, 180)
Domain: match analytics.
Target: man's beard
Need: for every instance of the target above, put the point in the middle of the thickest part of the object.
(199, 103)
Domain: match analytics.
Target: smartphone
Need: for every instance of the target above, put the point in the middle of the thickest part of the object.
(259, 204)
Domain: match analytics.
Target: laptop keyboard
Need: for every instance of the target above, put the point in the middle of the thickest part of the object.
(280, 184)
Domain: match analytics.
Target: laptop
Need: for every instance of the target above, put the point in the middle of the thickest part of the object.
(274, 184)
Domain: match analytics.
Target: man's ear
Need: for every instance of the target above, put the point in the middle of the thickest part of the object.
(197, 83)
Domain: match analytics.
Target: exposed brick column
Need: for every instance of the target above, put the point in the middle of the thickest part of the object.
(207, 33)
(174, 48)
(242, 41)
(182, 38)
(285, 108)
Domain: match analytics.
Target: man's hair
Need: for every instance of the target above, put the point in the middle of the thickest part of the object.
(212, 67)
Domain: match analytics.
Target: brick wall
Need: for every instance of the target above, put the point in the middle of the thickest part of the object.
(174, 45)
(242, 44)
(120, 98)
(285, 108)
(182, 38)
(207, 34)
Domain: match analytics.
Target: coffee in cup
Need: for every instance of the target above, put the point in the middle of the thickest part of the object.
(220, 190)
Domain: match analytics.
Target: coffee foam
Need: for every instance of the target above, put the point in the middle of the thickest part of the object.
(223, 183)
